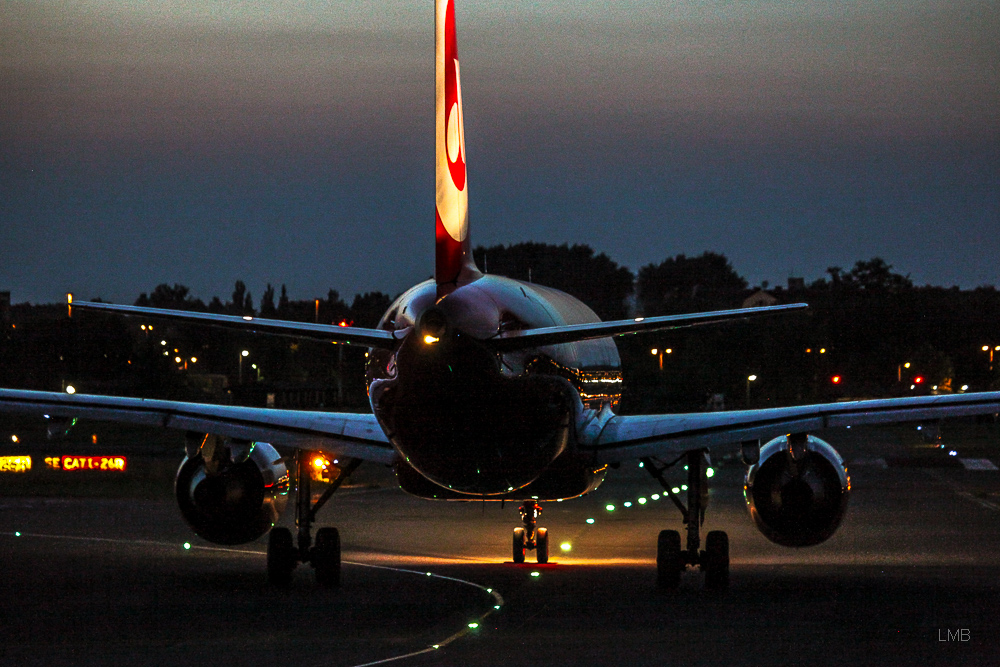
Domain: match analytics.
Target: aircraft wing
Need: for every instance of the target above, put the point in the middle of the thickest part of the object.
(325, 332)
(568, 333)
(612, 438)
(339, 433)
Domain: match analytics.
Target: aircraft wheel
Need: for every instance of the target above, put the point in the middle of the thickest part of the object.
(716, 560)
(542, 545)
(669, 564)
(519, 545)
(326, 557)
(281, 557)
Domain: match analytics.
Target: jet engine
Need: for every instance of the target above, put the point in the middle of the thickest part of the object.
(797, 492)
(230, 491)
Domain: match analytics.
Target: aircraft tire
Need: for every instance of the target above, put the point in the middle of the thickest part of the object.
(326, 557)
(281, 556)
(518, 545)
(542, 545)
(716, 560)
(668, 560)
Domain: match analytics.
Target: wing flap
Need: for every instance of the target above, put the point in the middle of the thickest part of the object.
(339, 433)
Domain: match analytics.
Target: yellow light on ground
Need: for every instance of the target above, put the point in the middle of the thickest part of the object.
(194, 360)
(566, 546)
(430, 340)
(670, 351)
(70, 389)
(654, 351)
(177, 360)
(245, 353)
(13, 438)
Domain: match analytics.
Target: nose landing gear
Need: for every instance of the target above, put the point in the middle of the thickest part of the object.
(529, 537)
(283, 555)
(671, 560)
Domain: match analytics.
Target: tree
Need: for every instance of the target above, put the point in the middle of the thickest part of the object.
(686, 284)
(175, 298)
(267, 308)
(594, 279)
(242, 303)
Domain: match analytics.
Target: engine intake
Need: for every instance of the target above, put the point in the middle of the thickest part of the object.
(232, 492)
(797, 493)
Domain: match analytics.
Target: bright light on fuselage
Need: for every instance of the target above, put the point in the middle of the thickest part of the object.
(430, 340)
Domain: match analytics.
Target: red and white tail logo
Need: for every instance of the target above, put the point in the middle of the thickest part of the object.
(452, 227)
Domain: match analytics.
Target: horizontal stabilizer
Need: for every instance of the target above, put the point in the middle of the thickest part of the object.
(519, 340)
(324, 332)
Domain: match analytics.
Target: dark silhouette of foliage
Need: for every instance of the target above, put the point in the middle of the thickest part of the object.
(594, 279)
(687, 284)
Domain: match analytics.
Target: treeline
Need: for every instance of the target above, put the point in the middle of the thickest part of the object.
(868, 332)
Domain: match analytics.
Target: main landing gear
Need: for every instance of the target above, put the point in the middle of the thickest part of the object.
(283, 555)
(671, 560)
(530, 537)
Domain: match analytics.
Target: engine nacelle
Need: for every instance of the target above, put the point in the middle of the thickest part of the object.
(797, 493)
(232, 492)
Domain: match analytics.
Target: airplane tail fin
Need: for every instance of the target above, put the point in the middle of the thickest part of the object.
(453, 249)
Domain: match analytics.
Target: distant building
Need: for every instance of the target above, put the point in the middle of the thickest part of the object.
(758, 299)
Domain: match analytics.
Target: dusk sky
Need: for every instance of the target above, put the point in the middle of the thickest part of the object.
(293, 142)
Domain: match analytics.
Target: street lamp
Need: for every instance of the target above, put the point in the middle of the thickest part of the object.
(750, 378)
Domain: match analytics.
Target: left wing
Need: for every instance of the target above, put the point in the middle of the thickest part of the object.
(340, 433)
(612, 438)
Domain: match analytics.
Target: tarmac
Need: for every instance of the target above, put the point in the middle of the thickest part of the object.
(911, 577)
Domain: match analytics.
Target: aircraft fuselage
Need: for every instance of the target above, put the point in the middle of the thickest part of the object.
(479, 423)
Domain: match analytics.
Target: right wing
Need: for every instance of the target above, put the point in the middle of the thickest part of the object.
(612, 438)
(339, 433)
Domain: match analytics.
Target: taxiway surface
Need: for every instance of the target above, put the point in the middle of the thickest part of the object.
(913, 576)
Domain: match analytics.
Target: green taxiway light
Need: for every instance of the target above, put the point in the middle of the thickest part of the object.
(590, 521)
(17, 533)
(187, 545)
(709, 472)
(473, 625)
(610, 508)
(642, 501)
(536, 574)
(627, 504)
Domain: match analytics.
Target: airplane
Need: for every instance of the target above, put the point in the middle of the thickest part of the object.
(487, 388)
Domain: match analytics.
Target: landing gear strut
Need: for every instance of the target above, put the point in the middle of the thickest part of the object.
(283, 556)
(671, 560)
(529, 537)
